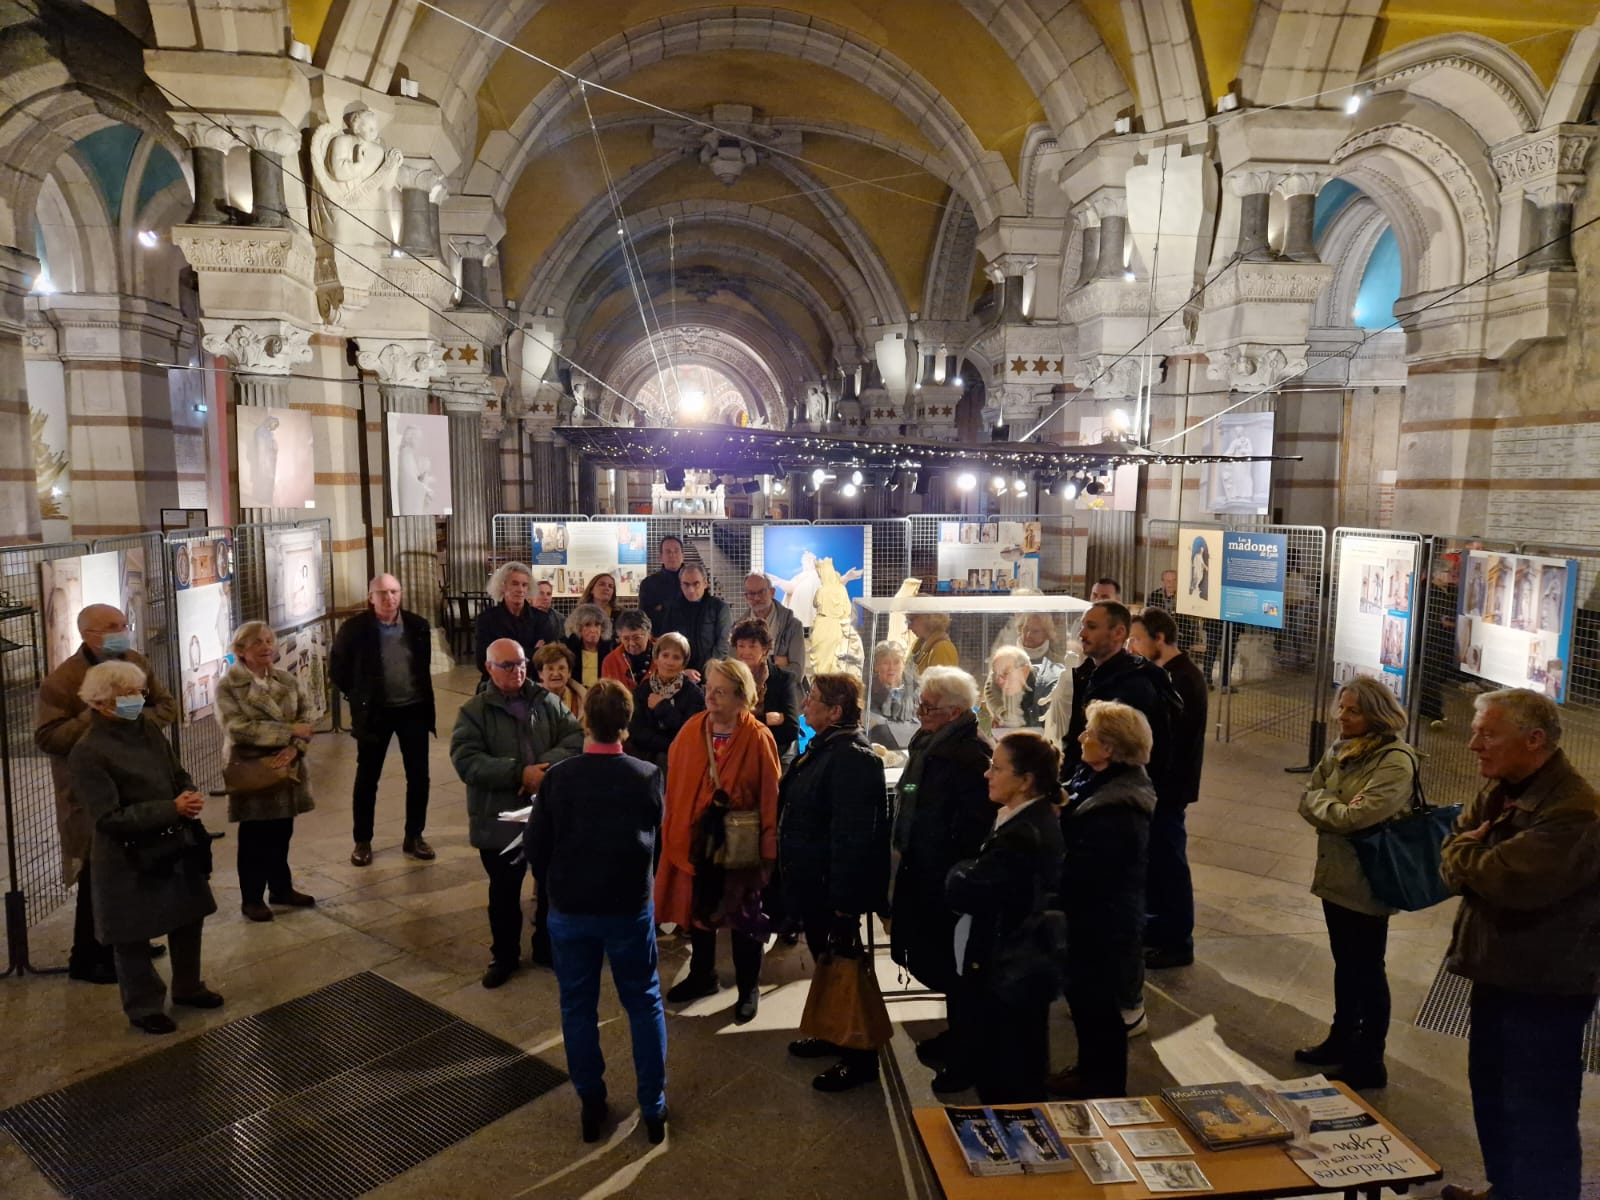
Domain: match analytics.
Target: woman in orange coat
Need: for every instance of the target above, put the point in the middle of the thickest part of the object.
(723, 748)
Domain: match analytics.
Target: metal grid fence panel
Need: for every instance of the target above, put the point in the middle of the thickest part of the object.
(923, 553)
(891, 550)
(199, 735)
(511, 540)
(147, 588)
(33, 847)
(1267, 677)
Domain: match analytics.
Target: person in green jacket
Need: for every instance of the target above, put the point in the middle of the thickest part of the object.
(505, 738)
(1364, 779)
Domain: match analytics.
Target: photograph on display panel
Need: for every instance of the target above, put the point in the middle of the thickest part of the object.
(276, 469)
(1238, 488)
(792, 557)
(1372, 624)
(419, 465)
(1516, 620)
(69, 585)
(304, 654)
(294, 576)
(568, 555)
(205, 627)
(1200, 587)
(1008, 551)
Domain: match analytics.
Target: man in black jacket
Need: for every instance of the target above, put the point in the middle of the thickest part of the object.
(1169, 932)
(704, 619)
(380, 661)
(659, 591)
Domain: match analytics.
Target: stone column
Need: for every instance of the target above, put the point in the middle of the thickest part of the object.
(420, 187)
(264, 353)
(1113, 210)
(19, 495)
(545, 479)
(209, 143)
(1089, 248)
(268, 144)
(467, 538)
(1254, 190)
(404, 369)
(1551, 227)
(1299, 190)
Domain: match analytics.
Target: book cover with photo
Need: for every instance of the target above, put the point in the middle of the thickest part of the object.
(983, 1148)
(1029, 1137)
(1227, 1115)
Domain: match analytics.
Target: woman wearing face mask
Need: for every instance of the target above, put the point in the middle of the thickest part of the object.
(263, 713)
(126, 775)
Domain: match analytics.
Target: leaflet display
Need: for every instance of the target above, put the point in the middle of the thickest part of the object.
(1515, 620)
(988, 556)
(1377, 596)
(569, 554)
(1252, 578)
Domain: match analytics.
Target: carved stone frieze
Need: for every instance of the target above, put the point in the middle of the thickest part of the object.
(411, 362)
(1106, 298)
(1282, 282)
(1109, 376)
(229, 248)
(1460, 62)
(1250, 367)
(259, 347)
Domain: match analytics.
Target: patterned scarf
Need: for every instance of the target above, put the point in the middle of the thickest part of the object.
(664, 688)
(1351, 749)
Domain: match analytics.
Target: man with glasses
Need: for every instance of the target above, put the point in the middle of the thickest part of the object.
(61, 719)
(783, 627)
(505, 739)
(659, 591)
(704, 619)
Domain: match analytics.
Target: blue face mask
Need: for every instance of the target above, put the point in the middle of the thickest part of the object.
(129, 707)
(115, 645)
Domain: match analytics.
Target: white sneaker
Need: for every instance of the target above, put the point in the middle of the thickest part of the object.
(1135, 1022)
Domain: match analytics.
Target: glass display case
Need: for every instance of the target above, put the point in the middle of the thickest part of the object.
(1015, 647)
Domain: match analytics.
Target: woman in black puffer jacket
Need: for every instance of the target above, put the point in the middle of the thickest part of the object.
(833, 845)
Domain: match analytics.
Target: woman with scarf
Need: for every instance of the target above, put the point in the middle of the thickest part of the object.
(777, 703)
(663, 702)
(932, 647)
(1105, 827)
(942, 818)
(725, 755)
(629, 664)
(1364, 779)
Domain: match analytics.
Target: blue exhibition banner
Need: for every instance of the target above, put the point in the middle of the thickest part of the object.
(1252, 578)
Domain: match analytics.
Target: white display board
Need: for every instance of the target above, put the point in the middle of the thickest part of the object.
(569, 554)
(988, 556)
(419, 465)
(294, 577)
(1515, 619)
(276, 468)
(1377, 600)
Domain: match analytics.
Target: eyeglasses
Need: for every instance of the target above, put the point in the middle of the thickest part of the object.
(510, 666)
(929, 709)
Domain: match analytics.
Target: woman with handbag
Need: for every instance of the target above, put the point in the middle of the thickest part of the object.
(151, 855)
(265, 734)
(1366, 778)
(1003, 942)
(720, 836)
(833, 844)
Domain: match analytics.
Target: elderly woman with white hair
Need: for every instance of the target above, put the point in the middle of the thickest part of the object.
(512, 615)
(589, 638)
(151, 855)
(264, 714)
(1105, 826)
(942, 817)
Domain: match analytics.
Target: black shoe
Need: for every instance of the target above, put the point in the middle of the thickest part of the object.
(539, 953)
(1327, 1053)
(1361, 1078)
(745, 1011)
(155, 1023)
(256, 911)
(418, 847)
(592, 1118)
(293, 899)
(692, 987)
(361, 856)
(94, 972)
(655, 1128)
(935, 1051)
(1159, 958)
(951, 1080)
(158, 949)
(810, 1047)
(841, 1077)
(497, 973)
(204, 998)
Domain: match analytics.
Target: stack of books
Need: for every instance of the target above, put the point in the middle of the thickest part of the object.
(1007, 1141)
(1226, 1116)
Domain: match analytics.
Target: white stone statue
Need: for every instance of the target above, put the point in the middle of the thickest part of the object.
(816, 407)
(835, 645)
(352, 170)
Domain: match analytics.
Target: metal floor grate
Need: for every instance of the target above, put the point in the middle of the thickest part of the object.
(321, 1098)
(1445, 1009)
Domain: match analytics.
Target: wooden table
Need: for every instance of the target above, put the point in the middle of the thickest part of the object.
(1261, 1172)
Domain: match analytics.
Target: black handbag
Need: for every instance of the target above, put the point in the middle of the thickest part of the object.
(160, 852)
(1401, 857)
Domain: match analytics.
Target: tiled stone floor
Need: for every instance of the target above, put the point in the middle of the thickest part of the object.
(746, 1123)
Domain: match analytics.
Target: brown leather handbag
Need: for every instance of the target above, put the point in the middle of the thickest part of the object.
(249, 771)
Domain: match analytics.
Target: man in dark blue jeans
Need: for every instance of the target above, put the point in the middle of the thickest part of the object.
(1526, 859)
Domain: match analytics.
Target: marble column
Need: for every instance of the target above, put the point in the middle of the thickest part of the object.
(19, 495)
(1089, 246)
(467, 535)
(1551, 227)
(1299, 190)
(209, 143)
(404, 369)
(264, 354)
(1254, 190)
(1113, 212)
(268, 144)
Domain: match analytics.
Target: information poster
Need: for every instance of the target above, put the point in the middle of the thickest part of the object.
(569, 554)
(1377, 597)
(202, 573)
(419, 465)
(1252, 578)
(800, 560)
(988, 556)
(69, 585)
(1238, 488)
(294, 577)
(1516, 618)
(276, 469)
(1200, 572)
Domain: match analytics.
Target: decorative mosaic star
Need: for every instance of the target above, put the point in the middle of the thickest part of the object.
(1019, 365)
(1038, 366)
(467, 354)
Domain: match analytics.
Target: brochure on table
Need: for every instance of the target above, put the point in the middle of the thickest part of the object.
(1515, 619)
(569, 554)
(1377, 597)
(988, 556)
(1339, 1143)
(69, 585)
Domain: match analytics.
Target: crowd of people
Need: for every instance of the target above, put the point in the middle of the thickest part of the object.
(1034, 846)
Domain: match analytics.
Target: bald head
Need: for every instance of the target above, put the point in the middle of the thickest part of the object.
(507, 664)
(384, 595)
(100, 623)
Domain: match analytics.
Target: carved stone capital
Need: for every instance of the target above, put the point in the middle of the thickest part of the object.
(424, 177)
(204, 133)
(408, 362)
(259, 347)
(1109, 376)
(1553, 191)
(1016, 264)
(1281, 282)
(242, 249)
(466, 397)
(271, 139)
(1249, 183)
(1301, 183)
(471, 246)
(1110, 204)
(1085, 215)
(1535, 158)
(1250, 367)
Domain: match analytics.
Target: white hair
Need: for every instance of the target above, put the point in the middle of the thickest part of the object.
(589, 614)
(496, 587)
(950, 686)
(1527, 710)
(104, 682)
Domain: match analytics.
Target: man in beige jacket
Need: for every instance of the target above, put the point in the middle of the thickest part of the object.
(60, 720)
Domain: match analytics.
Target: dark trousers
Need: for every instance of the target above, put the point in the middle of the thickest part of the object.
(505, 908)
(747, 949)
(1006, 1045)
(1360, 985)
(1168, 888)
(144, 992)
(819, 926)
(1215, 632)
(1525, 1066)
(264, 858)
(410, 724)
(1102, 1037)
(87, 952)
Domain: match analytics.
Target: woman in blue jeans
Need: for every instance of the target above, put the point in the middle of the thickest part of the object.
(593, 838)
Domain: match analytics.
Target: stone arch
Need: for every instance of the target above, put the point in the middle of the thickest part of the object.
(1347, 246)
(948, 279)
(689, 343)
(1490, 87)
(90, 240)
